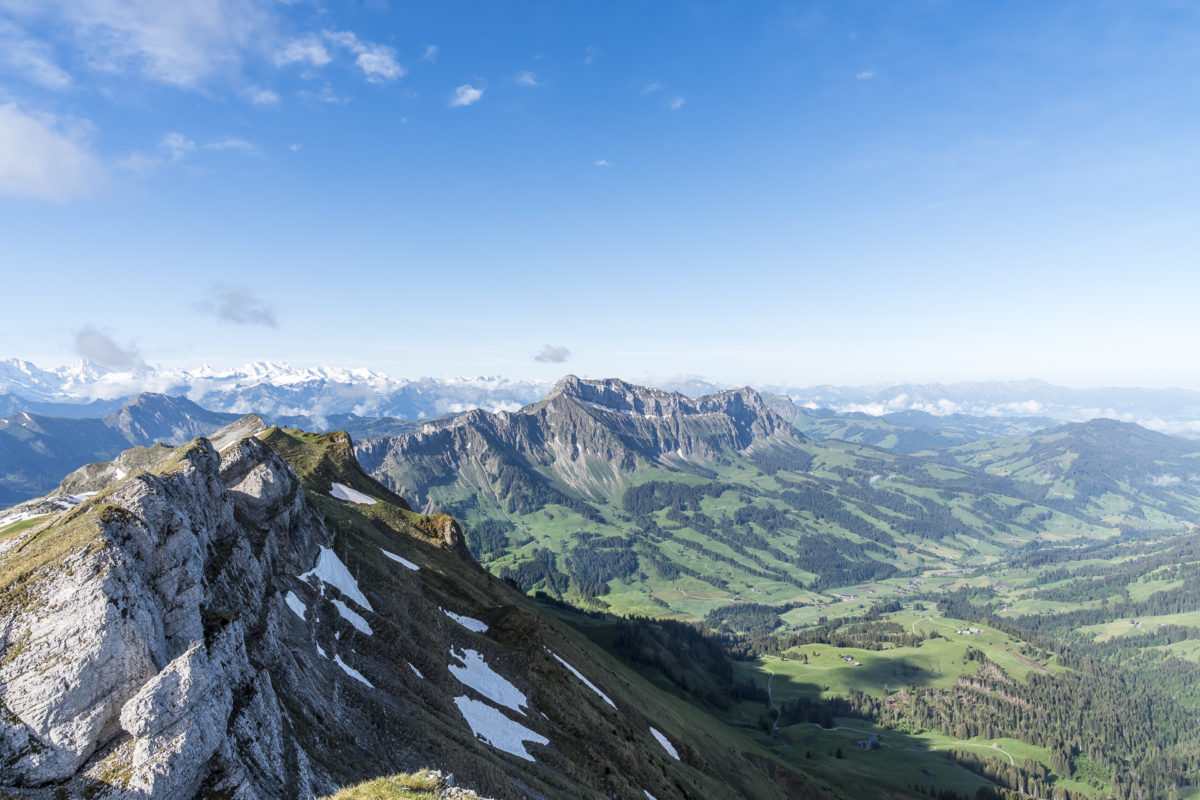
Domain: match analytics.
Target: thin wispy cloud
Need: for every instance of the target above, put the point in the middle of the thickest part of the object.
(602, 163)
(676, 103)
(526, 79)
(651, 88)
(552, 354)
(591, 54)
(465, 95)
(866, 75)
(325, 94)
(430, 54)
(295, 147)
(45, 156)
(236, 304)
(377, 61)
(232, 143)
(96, 345)
(175, 147)
(31, 59)
(175, 43)
(260, 97)
(307, 49)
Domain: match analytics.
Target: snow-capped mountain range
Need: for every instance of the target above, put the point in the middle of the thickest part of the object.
(271, 388)
(87, 389)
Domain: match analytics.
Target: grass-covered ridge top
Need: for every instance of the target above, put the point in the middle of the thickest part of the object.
(423, 785)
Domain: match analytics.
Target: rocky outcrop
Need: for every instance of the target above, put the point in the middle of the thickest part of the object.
(141, 637)
(584, 437)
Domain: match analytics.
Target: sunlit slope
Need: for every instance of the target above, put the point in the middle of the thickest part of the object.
(657, 504)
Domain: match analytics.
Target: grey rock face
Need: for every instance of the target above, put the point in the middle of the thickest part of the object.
(142, 642)
(584, 434)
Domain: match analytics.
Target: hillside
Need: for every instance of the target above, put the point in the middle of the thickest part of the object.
(655, 503)
(267, 621)
(1105, 468)
(37, 450)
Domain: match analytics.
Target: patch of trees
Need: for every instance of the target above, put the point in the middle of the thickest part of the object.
(751, 619)
(593, 562)
(489, 537)
(540, 570)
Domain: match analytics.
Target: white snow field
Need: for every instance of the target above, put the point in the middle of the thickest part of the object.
(353, 617)
(343, 492)
(351, 671)
(399, 559)
(470, 623)
(331, 570)
(475, 673)
(665, 742)
(490, 725)
(295, 604)
(586, 682)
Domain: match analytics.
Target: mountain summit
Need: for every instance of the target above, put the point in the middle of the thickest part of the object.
(585, 436)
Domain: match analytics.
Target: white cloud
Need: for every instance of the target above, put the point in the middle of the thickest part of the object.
(1163, 481)
(304, 50)
(238, 305)
(295, 147)
(179, 43)
(431, 51)
(260, 97)
(96, 345)
(591, 54)
(552, 354)
(176, 146)
(326, 95)
(866, 75)
(651, 88)
(676, 103)
(602, 163)
(44, 156)
(465, 95)
(30, 58)
(526, 79)
(232, 143)
(377, 61)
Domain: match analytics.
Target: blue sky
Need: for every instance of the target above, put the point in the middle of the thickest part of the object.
(766, 192)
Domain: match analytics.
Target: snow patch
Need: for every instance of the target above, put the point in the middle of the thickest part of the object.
(648, 795)
(399, 559)
(331, 570)
(416, 671)
(469, 623)
(343, 492)
(321, 652)
(351, 671)
(490, 725)
(579, 675)
(353, 617)
(665, 742)
(294, 604)
(475, 673)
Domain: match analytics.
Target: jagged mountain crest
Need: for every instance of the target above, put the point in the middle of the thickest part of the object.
(585, 436)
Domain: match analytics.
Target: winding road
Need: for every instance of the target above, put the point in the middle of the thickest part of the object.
(771, 700)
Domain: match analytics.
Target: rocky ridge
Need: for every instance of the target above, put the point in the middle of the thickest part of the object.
(225, 626)
(584, 436)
